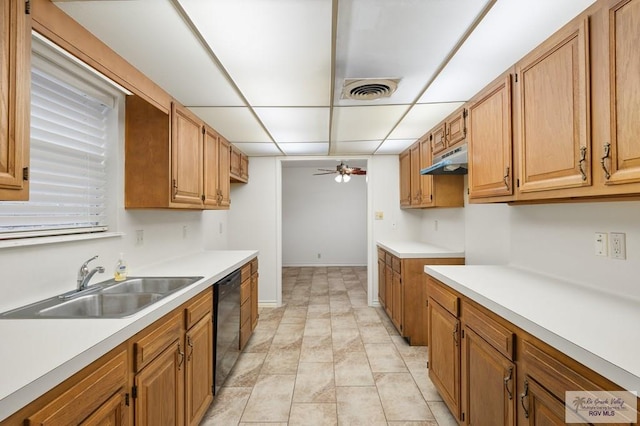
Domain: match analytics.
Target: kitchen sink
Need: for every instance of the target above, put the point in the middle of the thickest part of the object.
(107, 299)
(101, 305)
(162, 285)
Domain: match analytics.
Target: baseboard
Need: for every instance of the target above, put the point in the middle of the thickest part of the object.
(273, 304)
(323, 265)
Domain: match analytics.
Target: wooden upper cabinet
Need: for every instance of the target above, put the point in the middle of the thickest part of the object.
(210, 167)
(552, 86)
(620, 152)
(415, 178)
(405, 178)
(186, 156)
(239, 166)
(15, 86)
(456, 127)
(490, 141)
(224, 185)
(438, 141)
(426, 181)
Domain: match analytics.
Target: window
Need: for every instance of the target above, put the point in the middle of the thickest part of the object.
(74, 130)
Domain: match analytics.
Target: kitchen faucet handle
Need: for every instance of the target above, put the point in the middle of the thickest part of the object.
(84, 265)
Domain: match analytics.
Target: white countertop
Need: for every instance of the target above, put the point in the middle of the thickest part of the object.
(597, 329)
(38, 354)
(417, 250)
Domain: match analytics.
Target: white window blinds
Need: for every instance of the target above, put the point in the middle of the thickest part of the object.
(67, 173)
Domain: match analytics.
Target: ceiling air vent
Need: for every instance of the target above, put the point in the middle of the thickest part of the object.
(369, 89)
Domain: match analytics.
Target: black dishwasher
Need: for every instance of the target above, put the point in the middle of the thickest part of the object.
(226, 308)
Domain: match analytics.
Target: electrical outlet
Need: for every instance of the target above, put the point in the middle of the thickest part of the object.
(618, 245)
(601, 244)
(139, 237)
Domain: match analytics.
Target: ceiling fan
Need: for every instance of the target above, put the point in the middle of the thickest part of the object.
(343, 172)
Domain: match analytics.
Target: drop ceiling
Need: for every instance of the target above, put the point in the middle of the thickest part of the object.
(268, 74)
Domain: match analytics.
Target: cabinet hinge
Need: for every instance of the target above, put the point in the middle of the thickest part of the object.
(467, 191)
(134, 392)
(203, 130)
(426, 303)
(202, 198)
(516, 78)
(431, 197)
(126, 399)
(27, 7)
(518, 183)
(462, 333)
(462, 417)
(465, 112)
(427, 364)
(25, 173)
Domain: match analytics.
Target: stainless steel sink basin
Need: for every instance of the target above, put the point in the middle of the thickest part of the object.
(162, 285)
(101, 305)
(108, 299)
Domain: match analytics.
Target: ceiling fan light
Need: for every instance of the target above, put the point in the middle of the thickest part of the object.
(346, 178)
(339, 178)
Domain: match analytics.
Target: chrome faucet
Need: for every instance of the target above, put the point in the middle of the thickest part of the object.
(85, 275)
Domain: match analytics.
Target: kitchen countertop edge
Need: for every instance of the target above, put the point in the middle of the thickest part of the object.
(417, 250)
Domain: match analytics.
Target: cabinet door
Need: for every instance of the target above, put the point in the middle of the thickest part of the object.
(224, 183)
(235, 162)
(15, 78)
(414, 175)
(199, 372)
(388, 293)
(553, 93)
(439, 139)
(426, 180)
(210, 168)
(490, 142)
(539, 407)
(160, 389)
(456, 128)
(396, 311)
(186, 157)
(381, 282)
(254, 301)
(444, 355)
(244, 168)
(488, 383)
(405, 179)
(621, 156)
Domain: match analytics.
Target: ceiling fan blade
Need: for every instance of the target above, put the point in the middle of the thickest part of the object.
(327, 170)
(359, 172)
(325, 173)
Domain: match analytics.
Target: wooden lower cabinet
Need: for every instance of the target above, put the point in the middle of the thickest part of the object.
(248, 301)
(444, 355)
(99, 398)
(488, 383)
(402, 293)
(199, 370)
(490, 372)
(159, 395)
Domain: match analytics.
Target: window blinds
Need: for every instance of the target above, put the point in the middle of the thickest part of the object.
(67, 173)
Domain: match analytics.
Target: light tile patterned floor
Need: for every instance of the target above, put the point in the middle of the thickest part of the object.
(326, 358)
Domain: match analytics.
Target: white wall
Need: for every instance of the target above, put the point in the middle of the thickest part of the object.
(253, 223)
(323, 222)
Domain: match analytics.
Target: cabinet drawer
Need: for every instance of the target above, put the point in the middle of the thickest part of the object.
(552, 373)
(495, 334)
(200, 306)
(245, 310)
(444, 297)
(245, 291)
(396, 264)
(254, 266)
(245, 272)
(151, 344)
(77, 403)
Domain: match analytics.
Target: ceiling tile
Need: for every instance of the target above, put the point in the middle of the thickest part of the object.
(278, 51)
(296, 124)
(407, 39)
(365, 122)
(308, 148)
(510, 30)
(354, 147)
(235, 124)
(394, 146)
(151, 36)
(258, 149)
(422, 118)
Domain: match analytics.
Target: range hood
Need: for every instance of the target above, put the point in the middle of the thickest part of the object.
(452, 162)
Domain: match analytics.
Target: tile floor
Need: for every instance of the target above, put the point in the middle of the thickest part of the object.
(326, 358)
